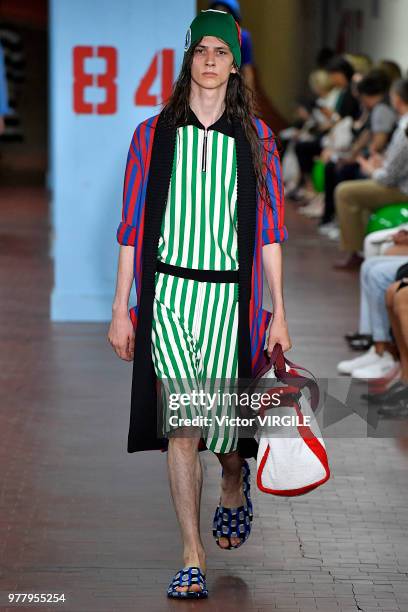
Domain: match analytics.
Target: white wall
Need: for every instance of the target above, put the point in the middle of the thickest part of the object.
(382, 37)
(88, 149)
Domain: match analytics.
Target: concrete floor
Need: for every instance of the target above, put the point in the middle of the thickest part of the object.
(81, 516)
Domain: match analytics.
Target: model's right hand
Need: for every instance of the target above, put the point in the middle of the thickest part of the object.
(121, 336)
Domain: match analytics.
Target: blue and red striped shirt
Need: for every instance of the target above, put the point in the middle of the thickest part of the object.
(270, 227)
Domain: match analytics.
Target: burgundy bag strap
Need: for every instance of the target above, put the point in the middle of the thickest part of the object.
(277, 360)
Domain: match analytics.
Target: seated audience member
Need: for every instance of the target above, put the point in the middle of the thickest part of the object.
(373, 92)
(381, 360)
(392, 241)
(377, 243)
(362, 65)
(371, 137)
(341, 73)
(309, 125)
(310, 122)
(326, 97)
(388, 184)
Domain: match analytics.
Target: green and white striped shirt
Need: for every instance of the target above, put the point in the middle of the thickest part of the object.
(199, 227)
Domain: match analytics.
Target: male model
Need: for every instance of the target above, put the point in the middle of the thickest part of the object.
(202, 219)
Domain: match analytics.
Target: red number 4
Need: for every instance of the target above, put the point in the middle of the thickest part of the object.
(142, 95)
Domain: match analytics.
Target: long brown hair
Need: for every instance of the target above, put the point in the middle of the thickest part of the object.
(239, 103)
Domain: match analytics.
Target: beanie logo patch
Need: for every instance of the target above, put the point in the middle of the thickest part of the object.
(187, 42)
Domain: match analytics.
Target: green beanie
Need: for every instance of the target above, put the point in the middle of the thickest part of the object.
(219, 24)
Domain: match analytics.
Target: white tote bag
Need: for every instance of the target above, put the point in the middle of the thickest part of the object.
(340, 137)
(292, 458)
(290, 167)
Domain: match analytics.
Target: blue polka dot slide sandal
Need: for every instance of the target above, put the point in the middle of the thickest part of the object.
(185, 578)
(235, 522)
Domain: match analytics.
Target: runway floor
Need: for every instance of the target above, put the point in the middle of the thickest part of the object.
(81, 516)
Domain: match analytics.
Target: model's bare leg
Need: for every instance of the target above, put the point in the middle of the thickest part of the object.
(232, 494)
(186, 479)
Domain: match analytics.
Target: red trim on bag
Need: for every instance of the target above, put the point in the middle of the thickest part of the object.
(317, 449)
(284, 394)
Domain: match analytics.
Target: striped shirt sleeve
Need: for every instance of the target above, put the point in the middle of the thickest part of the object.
(273, 224)
(132, 187)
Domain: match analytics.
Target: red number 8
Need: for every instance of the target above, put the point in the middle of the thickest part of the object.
(83, 79)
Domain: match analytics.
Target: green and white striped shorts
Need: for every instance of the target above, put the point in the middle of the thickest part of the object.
(195, 347)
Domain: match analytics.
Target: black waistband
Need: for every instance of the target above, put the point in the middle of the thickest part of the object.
(215, 276)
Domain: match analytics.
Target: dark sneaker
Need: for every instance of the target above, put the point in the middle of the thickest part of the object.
(397, 392)
(352, 262)
(400, 411)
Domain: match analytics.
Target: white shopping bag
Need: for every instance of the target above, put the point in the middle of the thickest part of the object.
(290, 167)
(292, 458)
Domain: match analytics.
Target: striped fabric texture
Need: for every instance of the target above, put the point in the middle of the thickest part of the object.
(194, 347)
(195, 323)
(199, 224)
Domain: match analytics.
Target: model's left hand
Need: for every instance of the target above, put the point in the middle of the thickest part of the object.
(278, 333)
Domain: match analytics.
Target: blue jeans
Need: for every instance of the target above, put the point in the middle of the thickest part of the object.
(376, 275)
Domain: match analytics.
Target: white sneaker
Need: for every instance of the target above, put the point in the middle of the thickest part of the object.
(369, 357)
(314, 209)
(378, 369)
(325, 228)
(334, 233)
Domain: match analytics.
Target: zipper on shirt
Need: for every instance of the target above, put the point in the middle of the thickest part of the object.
(204, 153)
